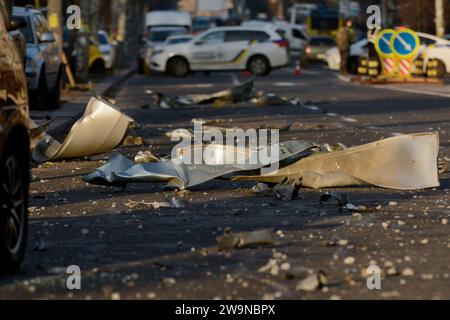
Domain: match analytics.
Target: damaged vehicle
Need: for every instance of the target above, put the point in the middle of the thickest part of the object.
(14, 149)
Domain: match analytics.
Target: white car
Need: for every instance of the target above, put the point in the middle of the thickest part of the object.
(433, 47)
(107, 49)
(225, 48)
(333, 56)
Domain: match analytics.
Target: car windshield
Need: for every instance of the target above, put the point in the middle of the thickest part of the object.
(103, 39)
(178, 40)
(26, 31)
(162, 35)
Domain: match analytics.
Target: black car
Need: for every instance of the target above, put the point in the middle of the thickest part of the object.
(14, 148)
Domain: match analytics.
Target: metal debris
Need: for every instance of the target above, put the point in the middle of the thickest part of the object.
(244, 240)
(119, 170)
(406, 162)
(344, 202)
(145, 157)
(101, 129)
(37, 132)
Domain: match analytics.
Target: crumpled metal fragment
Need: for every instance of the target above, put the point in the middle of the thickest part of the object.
(244, 240)
(37, 132)
(406, 162)
(238, 93)
(101, 129)
(120, 170)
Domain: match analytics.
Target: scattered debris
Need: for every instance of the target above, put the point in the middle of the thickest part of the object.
(312, 282)
(37, 132)
(119, 170)
(101, 129)
(243, 240)
(131, 141)
(343, 202)
(145, 157)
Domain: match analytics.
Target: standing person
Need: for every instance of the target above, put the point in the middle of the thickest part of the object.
(344, 39)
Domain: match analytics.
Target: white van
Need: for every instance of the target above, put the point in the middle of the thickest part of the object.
(168, 19)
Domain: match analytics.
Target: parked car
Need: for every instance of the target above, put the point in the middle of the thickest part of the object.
(43, 66)
(157, 37)
(14, 149)
(107, 49)
(225, 48)
(433, 47)
(317, 48)
(202, 24)
(358, 49)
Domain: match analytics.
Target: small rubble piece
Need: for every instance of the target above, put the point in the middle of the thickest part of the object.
(408, 272)
(41, 245)
(145, 157)
(37, 132)
(244, 240)
(286, 190)
(343, 202)
(349, 260)
(101, 129)
(313, 282)
(131, 141)
(406, 162)
(170, 203)
(443, 166)
(262, 189)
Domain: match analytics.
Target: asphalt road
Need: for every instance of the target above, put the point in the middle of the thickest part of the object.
(146, 253)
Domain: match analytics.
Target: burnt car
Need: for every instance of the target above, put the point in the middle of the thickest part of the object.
(14, 148)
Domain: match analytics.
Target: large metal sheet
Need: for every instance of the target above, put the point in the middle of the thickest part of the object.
(404, 162)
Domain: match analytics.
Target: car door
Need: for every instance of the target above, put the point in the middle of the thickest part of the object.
(298, 40)
(206, 52)
(238, 46)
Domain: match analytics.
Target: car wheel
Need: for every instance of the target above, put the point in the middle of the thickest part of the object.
(13, 210)
(259, 66)
(38, 98)
(54, 99)
(178, 67)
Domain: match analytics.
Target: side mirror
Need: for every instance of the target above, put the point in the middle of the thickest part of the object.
(198, 42)
(17, 23)
(47, 37)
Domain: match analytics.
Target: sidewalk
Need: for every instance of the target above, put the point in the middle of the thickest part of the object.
(74, 102)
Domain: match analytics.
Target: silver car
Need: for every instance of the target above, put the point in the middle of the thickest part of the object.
(43, 60)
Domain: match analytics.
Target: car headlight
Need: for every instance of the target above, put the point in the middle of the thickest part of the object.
(30, 66)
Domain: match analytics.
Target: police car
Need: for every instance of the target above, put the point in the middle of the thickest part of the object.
(258, 50)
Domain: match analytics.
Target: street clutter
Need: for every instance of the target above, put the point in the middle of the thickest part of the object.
(120, 170)
(101, 129)
(405, 162)
(242, 240)
(243, 92)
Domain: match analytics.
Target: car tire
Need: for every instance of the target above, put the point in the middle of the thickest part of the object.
(39, 97)
(178, 67)
(259, 66)
(14, 182)
(54, 99)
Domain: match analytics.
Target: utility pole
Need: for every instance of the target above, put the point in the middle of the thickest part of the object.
(440, 24)
(54, 20)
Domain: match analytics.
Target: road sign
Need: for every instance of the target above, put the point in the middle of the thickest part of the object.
(405, 44)
(383, 43)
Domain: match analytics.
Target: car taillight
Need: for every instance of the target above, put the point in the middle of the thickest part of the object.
(282, 43)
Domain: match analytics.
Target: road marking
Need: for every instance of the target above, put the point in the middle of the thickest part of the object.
(414, 90)
(285, 84)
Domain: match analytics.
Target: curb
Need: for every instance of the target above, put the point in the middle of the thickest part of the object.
(60, 129)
